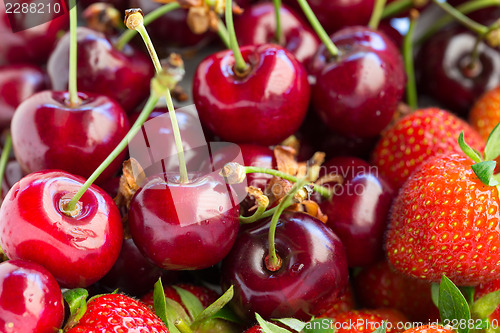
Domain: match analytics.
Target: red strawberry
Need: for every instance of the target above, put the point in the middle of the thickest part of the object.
(485, 114)
(366, 321)
(417, 137)
(254, 329)
(429, 329)
(344, 303)
(446, 221)
(483, 290)
(205, 295)
(378, 286)
(118, 313)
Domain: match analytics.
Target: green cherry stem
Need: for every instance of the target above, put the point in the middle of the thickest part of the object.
(377, 14)
(278, 34)
(318, 28)
(255, 216)
(127, 36)
(146, 111)
(223, 33)
(274, 262)
(396, 7)
(4, 158)
(464, 20)
(240, 65)
(72, 89)
(411, 86)
(134, 20)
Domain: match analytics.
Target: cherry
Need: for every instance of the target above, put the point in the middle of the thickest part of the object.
(357, 91)
(29, 44)
(181, 226)
(263, 106)
(123, 76)
(257, 25)
(78, 250)
(358, 211)
(313, 272)
(30, 298)
(47, 133)
(445, 72)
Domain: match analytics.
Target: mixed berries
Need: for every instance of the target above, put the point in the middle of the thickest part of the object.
(338, 170)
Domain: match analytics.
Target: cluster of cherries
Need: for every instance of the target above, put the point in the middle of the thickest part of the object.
(327, 75)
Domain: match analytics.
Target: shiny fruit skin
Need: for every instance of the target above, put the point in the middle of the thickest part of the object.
(30, 298)
(78, 250)
(485, 113)
(263, 107)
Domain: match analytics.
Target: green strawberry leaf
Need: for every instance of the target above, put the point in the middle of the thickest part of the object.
(452, 305)
(77, 301)
(190, 301)
(227, 314)
(216, 306)
(268, 327)
(484, 307)
(382, 328)
(435, 294)
(484, 171)
(481, 324)
(492, 149)
(320, 325)
(166, 309)
(468, 293)
(294, 324)
(160, 303)
(468, 150)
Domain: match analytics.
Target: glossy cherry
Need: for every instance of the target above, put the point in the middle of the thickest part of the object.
(77, 250)
(30, 298)
(357, 92)
(263, 106)
(17, 83)
(184, 226)
(102, 69)
(313, 272)
(445, 73)
(257, 25)
(49, 134)
(30, 44)
(359, 209)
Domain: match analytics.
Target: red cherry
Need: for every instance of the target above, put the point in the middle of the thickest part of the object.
(30, 298)
(313, 272)
(265, 106)
(17, 83)
(124, 76)
(29, 44)
(356, 94)
(182, 226)
(77, 250)
(49, 134)
(257, 25)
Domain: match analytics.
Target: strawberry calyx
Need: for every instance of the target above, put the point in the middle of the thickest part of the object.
(77, 301)
(485, 305)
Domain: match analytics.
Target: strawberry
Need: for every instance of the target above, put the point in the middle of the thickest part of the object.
(205, 295)
(254, 329)
(344, 303)
(379, 285)
(417, 137)
(485, 113)
(486, 310)
(446, 219)
(366, 321)
(118, 313)
(429, 329)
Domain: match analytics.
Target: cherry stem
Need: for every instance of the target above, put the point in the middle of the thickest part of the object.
(411, 86)
(255, 216)
(377, 14)
(223, 33)
(134, 20)
(278, 34)
(127, 36)
(182, 326)
(396, 7)
(74, 100)
(146, 111)
(240, 65)
(461, 18)
(274, 262)
(318, 28)
(325, 192)
(4, 158)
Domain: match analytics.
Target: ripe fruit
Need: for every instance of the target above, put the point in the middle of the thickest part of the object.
(417, 137)
(367, 321)
(429, 329)
(485, 113)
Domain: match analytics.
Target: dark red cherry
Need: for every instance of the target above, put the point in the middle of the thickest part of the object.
(184, 226)
(17, 83)
(49, 134)
(357, 93)
(30, 298)
(358, 211)
(257, 25)
(77, 250)
(446, 73)
(30, 44)
(124, 76)
(336, 14)
(263, 106)
(313, 272)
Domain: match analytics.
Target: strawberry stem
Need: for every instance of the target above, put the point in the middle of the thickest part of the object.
(376, 14)
(411, 86)
(74, 100)
(182, 326)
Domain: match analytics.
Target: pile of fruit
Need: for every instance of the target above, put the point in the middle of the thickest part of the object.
(337, 171)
